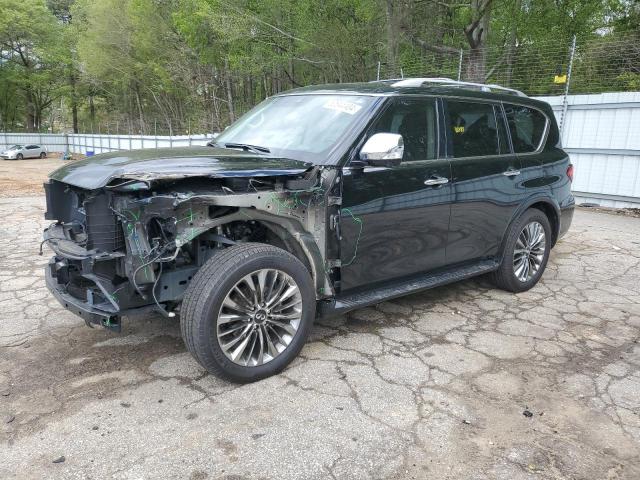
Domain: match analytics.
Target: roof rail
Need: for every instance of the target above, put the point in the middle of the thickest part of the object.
(419, 82)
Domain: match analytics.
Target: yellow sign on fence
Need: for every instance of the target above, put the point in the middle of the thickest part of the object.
(560, 79)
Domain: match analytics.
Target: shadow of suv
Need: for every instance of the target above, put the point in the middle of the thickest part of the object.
(318, 201)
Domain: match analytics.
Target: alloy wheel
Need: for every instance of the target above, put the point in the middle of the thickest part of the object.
(259, 317)
(529, 251)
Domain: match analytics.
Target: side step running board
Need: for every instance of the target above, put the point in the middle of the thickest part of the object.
(345, 303)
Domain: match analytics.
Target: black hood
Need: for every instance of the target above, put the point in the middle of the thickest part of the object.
(166, 163)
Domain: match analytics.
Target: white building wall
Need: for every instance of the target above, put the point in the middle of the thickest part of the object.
(601, 133)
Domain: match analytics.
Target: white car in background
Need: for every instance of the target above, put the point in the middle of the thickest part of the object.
(18, 152)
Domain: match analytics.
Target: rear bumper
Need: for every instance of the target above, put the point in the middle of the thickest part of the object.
(566, 217)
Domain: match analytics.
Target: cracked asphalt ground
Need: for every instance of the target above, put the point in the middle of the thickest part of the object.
(434, 385)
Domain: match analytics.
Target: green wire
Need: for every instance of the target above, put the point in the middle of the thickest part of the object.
(358, 220)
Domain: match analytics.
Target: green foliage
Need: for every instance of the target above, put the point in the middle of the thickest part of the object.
(33, 59)
(168, 66)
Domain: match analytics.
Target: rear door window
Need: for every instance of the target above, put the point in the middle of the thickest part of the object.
(527, 127)
(473, 129)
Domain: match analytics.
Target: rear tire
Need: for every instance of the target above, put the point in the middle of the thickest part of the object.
(268, 325)
(43, 155)
(526, 252)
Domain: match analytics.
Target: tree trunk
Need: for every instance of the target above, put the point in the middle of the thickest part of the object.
(227, 75)
(476, 65)
(477, 32)
(511, 42)
(392, 38)
(74, 102)
(30, 120)
(292, 73)
(92, 109)
(140, 111)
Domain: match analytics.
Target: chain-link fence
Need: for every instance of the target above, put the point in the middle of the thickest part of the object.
(604, 63)
(601, 64)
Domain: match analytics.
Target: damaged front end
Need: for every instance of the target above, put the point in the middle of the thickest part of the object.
(134, 244)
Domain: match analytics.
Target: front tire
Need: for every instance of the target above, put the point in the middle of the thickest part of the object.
(526, 252)
(19, 156)
(248, 312)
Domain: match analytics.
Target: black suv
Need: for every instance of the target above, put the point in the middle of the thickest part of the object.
(318, 201)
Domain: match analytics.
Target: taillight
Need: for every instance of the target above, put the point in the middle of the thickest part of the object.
(570, 172)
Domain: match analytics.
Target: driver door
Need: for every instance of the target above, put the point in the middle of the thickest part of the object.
(394, 221)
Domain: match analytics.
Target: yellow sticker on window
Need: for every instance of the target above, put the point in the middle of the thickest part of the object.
(458, 129)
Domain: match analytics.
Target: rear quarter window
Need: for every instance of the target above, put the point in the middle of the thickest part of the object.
(527, 127)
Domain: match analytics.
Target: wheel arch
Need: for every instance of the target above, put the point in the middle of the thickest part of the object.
(286, 240)
(289, 234)
(546, 205)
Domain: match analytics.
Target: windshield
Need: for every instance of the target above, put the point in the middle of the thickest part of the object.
(302, 127)
(15, 147)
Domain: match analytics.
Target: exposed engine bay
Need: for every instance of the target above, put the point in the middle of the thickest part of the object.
(135, 243)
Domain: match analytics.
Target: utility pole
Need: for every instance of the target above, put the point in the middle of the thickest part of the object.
(565, 100)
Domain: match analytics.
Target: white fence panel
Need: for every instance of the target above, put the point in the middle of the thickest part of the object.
(600, 134)
(99, 143)
(52, 142)
(81, 143)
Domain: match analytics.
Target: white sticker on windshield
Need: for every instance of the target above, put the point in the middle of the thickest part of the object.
(342, 106)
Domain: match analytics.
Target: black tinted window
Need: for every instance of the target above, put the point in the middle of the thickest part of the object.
(415, 120)
(526, 126)
(472, 129)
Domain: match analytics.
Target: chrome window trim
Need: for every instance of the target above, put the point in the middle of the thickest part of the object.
(337, 92)
(501, 103)
(436, 97)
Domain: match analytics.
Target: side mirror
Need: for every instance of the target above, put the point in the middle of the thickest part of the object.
(385, 149)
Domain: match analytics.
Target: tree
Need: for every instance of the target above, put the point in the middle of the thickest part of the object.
(168, 66)
(32, 54)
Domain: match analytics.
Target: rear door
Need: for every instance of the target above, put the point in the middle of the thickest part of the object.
(32, 151)
(486, 189)
(394, 220)
(529, 128)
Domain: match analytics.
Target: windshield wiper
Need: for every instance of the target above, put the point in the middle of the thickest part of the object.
(244, 146)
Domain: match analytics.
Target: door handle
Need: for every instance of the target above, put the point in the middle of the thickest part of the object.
(436, 180)
(511, 173)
